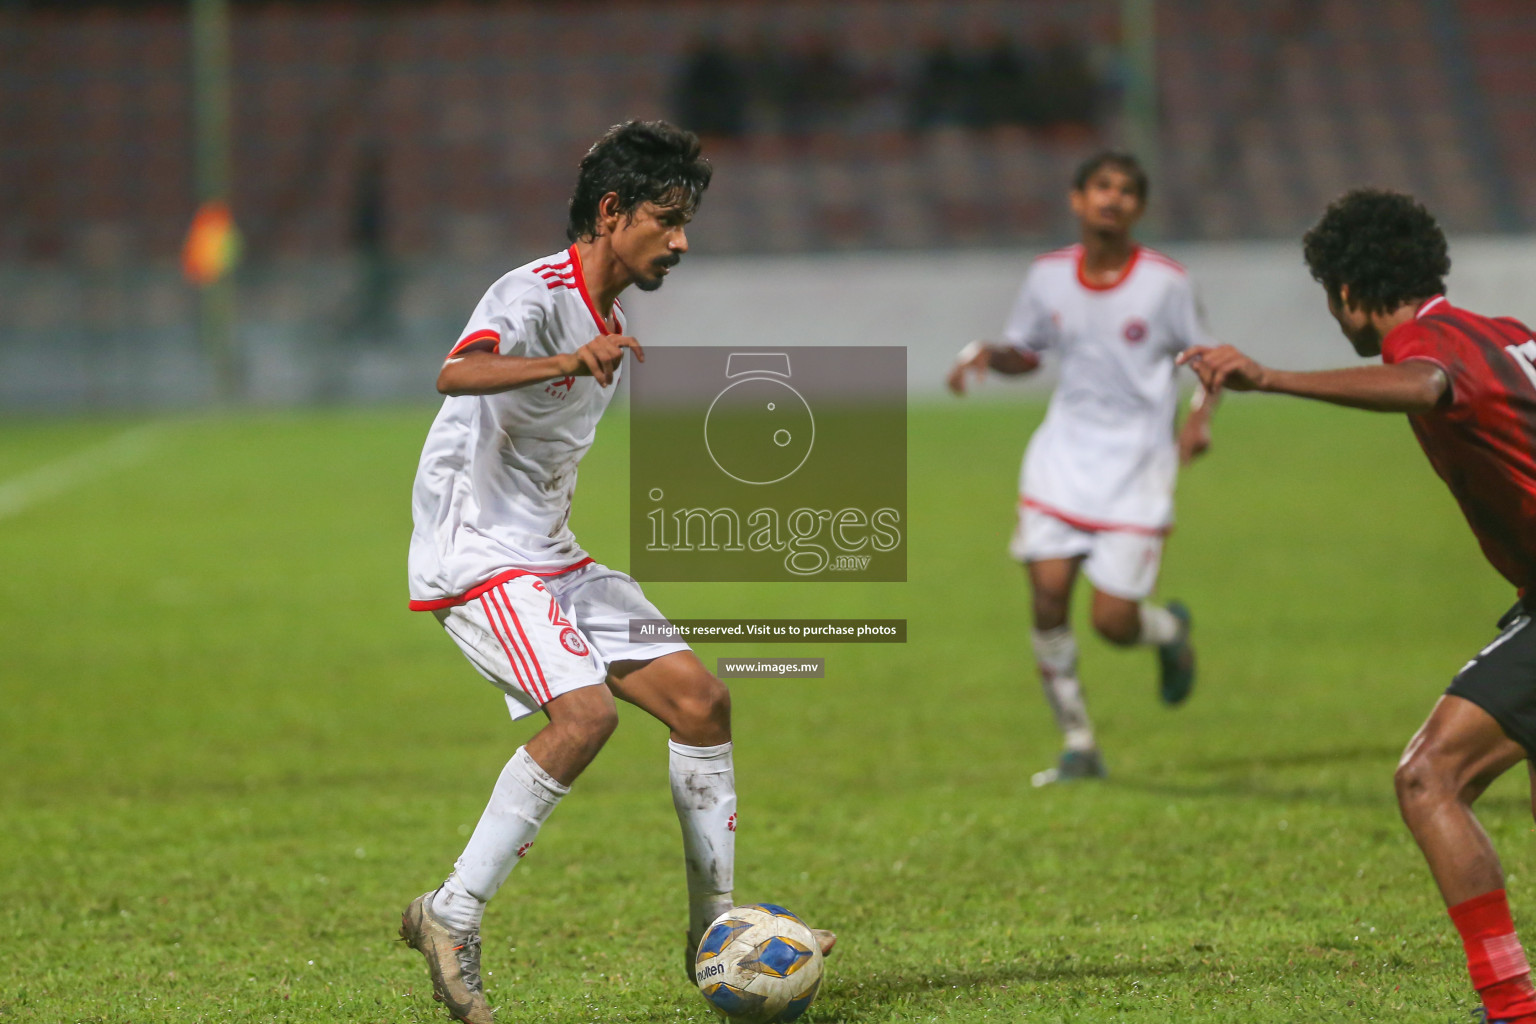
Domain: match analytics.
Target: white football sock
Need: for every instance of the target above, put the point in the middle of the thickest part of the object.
(1056, 654)
(1158, 625)
(704, 793)
(524, 796)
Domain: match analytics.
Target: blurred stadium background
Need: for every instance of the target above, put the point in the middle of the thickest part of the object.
(884, 169)
(227, 753)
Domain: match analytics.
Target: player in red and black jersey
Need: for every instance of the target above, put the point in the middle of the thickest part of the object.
(1468, 385)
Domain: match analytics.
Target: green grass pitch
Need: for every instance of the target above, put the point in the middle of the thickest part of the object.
(229, 756)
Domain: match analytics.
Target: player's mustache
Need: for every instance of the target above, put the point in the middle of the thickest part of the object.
(667, 261)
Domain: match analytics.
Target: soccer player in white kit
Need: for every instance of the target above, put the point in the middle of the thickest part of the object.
(493, 558)
(1096, 490)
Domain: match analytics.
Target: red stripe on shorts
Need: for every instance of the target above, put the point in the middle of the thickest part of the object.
(523, 651)
(528, 646)
(511, 659)
(503, 607)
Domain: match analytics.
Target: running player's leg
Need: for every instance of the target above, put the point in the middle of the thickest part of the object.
(1052, 552)
(509, 639)
(680, 692)
(668, 681)
(1050, 590)
(529, 787)
(1055, 647)
(1123, 569)
(1484, 725)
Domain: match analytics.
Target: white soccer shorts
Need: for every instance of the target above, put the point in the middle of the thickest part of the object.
(538, 638)
(1119, 562)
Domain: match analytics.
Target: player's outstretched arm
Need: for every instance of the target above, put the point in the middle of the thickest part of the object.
(487, 373)
(976, 358)
(1413, 387)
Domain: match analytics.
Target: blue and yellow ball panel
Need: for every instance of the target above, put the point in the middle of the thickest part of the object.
(777, 911)
(778, 957)
(720, 936)
(797, 1006)
(733, 1001)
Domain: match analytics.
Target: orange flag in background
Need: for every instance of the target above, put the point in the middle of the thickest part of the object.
(213, 244)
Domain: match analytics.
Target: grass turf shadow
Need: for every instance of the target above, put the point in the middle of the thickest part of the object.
(876, 994)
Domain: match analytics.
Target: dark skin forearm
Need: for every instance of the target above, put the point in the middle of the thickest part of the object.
(1010, 361)
(1411, 387)
(976, 359)
(1406, 387)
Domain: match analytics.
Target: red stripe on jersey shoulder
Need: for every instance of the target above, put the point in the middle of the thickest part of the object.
(559, 273)
(475, 339)
(1167, 261)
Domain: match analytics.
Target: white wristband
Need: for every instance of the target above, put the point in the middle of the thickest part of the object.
(971, 350)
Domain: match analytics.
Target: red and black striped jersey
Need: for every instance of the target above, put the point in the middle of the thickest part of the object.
(1482, 438)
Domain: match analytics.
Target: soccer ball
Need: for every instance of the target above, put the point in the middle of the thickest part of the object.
(758, 965)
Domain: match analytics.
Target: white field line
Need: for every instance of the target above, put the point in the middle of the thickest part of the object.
(52, 479)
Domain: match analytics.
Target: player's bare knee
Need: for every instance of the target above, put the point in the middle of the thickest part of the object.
(1050, 610)
(595, 726)
(702, 714)
(584, 719)
(1117, 625)
(1425, 777)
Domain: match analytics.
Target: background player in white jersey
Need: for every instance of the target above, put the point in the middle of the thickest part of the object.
(1096, 491)
(493, 558)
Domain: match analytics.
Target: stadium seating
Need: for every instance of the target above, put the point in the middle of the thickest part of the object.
(466, 121)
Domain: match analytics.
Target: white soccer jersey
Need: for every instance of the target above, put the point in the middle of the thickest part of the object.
(1105, 457)
(493, 489)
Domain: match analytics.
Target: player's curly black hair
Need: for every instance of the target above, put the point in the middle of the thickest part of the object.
(1384, 245)
(1120, 161)
(641, 161)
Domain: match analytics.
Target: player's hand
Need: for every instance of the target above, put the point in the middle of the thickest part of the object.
(973, 361)
(1224, 367)
(600, 357)
(1194, 441)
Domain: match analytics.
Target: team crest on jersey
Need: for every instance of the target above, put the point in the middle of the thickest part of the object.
(572, 641)
(1135, 330)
